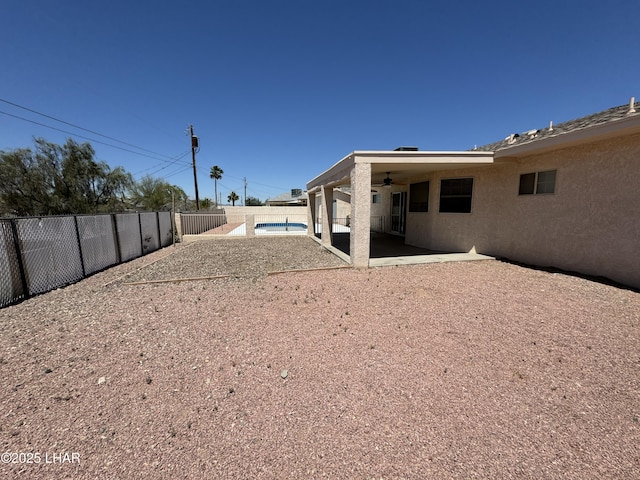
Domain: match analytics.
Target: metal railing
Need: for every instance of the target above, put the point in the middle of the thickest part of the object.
(197, 223)
(378, 224)
(39, 254)
(343, 225)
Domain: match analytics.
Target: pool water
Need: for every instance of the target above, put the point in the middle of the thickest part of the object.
(282, 227)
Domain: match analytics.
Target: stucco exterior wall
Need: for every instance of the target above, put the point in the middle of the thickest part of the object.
(383, 208)
(265, 210)
(591, 224)
(343, 208)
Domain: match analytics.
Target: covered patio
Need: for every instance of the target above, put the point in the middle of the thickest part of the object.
(365, 173)
(387, 249)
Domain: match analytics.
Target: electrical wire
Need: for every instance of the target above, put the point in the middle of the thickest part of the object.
(80, 128)
(159, 169)
(90, 139)
(183, 169)
(279, 189)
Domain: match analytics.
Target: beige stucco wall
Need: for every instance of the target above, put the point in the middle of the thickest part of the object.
(343, 205)
(265, 210)
(381, 209)
(591, 224)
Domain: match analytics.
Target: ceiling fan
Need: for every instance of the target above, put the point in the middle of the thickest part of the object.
(386, 182)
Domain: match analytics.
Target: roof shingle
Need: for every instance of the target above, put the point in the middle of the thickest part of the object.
(612, 114)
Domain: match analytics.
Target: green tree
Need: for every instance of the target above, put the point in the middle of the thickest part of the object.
(26, 187)
(215, 174)
(153, 194)
(233, 197)
(52, 179)
(89, 186)
(253, 201)
(206, 203)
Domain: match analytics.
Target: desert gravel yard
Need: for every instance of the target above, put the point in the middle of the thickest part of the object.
(455, 370)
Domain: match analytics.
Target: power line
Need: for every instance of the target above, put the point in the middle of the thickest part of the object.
(180, 170)
(253, 191)
(88, 138)
(80, 128)
(177, 158)
(281, 189)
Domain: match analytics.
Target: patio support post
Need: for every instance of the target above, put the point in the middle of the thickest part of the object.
(360, 215)
(327, 216)
(311, 214)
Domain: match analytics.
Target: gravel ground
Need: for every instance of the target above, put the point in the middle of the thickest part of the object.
(455, 370)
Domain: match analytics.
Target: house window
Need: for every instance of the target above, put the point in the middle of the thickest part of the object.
(537, 183)
(375, 198)
(527, 184)
(455, 195)
(419, 197)
(546, 182)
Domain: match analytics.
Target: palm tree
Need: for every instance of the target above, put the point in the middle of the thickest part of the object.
(216, 174)
(233, 196)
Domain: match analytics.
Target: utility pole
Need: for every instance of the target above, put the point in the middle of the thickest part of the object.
(245, 191)
(194, 147)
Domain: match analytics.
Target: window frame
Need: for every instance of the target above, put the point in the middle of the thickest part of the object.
(421, 207)
(537, 184)
(453, 195)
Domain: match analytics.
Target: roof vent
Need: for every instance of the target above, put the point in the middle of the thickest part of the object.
(406, 149)
(532, 133)
(512, 138)
(631, 106)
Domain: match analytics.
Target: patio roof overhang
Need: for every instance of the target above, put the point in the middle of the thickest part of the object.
(403, 165)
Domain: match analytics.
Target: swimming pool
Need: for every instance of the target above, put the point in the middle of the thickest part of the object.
(281, 227)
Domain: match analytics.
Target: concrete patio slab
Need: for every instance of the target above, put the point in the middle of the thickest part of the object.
(431, 258)
(389, 250)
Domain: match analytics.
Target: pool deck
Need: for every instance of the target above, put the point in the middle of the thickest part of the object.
(222, 229)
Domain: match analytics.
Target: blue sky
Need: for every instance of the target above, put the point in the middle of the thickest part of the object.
(279, 90)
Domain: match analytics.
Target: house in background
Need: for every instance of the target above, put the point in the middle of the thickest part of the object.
(297, 197)
(564, 196)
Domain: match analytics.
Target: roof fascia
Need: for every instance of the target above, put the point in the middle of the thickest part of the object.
(333, 175)
(428, 157)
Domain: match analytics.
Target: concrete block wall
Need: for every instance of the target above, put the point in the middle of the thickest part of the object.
(264, 210)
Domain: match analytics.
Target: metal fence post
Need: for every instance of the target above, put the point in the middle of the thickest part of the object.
(158, 228)
(75, 222)
(116, 237)
(141, 236)
(21, 269)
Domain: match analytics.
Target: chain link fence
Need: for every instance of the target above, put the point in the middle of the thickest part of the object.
(39, 254)
(129, 235)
